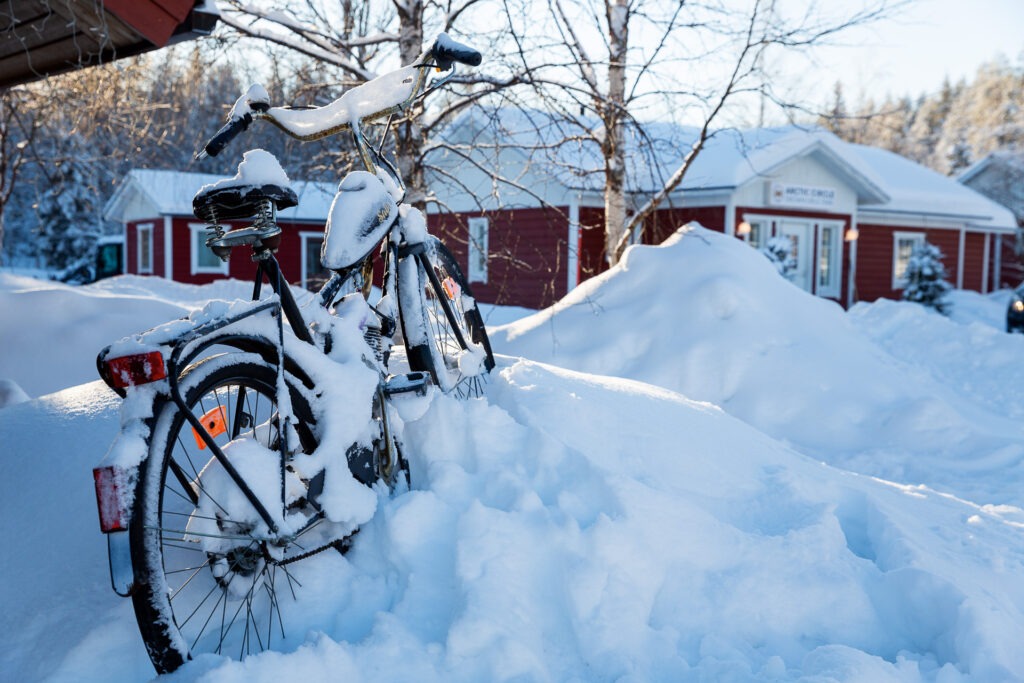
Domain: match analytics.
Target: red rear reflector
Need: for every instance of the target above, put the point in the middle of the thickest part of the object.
(215, 421)
(141, 368)
(110, 481)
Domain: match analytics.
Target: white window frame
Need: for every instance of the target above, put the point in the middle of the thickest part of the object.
(833, 288)
(304, 237)
(897, 237)
(148, 229)
(479, 249)
(766, 222)
(197, 241)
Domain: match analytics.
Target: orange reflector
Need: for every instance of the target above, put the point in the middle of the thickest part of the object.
(451, 288)
(216, 423)
(141, 368)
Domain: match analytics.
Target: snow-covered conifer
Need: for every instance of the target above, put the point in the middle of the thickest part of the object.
(779, 251)
(926, 278)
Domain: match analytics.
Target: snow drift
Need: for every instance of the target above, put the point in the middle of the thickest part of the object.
(705, 315)
(576, 526)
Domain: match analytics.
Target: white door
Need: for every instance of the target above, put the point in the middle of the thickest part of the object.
(801, 251)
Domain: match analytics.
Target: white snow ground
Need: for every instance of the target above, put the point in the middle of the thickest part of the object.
(580, 525)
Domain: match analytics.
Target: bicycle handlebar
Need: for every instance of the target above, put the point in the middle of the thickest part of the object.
(443, 54)
(445, 51)
(226, 134)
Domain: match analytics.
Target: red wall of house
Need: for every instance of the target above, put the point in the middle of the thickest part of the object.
(240, 266)
(657, 228)
(974, 262)
(527, 263)
(663, 223)
(132, 247)
(875, 257)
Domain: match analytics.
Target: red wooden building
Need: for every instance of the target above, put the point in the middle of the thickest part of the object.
(852, 213)
(164, 238)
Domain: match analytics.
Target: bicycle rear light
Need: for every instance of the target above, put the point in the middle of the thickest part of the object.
(110, 482)
(139, 368)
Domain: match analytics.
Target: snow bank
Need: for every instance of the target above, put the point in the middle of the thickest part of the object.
(572, 527)
(705, 315)
(52, 331)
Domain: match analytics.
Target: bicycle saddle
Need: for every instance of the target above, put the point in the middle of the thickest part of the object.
(214, 204)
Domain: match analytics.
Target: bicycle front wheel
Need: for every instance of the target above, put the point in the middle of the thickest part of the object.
(442, 326)
(209, 577)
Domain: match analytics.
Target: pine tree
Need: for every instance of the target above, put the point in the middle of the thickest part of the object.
(926, 278)
(69, 216)
(778, 250)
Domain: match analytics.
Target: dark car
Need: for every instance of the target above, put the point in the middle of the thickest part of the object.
(1015, 311)
(107, 260)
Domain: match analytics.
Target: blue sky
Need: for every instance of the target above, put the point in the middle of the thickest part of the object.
(929, 40)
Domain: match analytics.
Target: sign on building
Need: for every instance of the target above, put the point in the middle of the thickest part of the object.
(785, 194)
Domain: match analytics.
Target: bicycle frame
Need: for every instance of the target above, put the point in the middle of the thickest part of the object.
(180, 349)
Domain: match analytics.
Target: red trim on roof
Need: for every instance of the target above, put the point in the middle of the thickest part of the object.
(155, 20)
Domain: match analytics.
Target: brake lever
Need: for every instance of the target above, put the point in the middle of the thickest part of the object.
(434, 85)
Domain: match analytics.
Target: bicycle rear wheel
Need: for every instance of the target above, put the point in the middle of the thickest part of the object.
(207, 579)
(442, 326)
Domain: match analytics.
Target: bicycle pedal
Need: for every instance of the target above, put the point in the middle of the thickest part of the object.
(415, 383)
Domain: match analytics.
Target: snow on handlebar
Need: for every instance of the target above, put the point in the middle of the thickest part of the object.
(379, 97)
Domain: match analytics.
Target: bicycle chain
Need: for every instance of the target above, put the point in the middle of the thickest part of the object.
(342, 545)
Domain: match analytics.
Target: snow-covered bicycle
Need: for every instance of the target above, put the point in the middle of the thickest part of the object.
(258, 434)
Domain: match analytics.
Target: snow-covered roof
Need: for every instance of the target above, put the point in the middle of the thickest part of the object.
(170, 193)
(999, 176)
(917, 190)
(884, 182)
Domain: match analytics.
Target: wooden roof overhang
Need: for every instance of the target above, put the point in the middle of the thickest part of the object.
(40, 38)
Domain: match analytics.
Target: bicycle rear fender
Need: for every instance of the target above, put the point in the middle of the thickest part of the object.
(250, 327)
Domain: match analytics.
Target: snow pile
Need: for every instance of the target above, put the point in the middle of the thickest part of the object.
(561, 529)
(981, 362)
(707, 316)
(52, 331)
(571, 526)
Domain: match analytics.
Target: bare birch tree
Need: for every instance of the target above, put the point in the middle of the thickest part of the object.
(618, 60)
(361, 40)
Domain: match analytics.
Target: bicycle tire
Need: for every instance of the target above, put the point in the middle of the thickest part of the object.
(431, 342)
(175, 568)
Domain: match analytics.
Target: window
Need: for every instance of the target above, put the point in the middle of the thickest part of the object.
(203, 258)
(755, 230)
(478, 249)
(314, 275)
(758, 234)
(829, 245)
(903, 246)
(145, 234)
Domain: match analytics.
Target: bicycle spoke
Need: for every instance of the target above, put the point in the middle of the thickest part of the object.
(201, 603)
(222, 599)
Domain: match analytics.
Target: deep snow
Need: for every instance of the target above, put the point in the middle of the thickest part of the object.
(724, 525)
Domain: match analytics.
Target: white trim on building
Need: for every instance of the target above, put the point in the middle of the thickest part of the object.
(202, 260)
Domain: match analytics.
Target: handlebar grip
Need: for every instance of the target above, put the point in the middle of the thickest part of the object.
(226, 134)
(446, 51)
